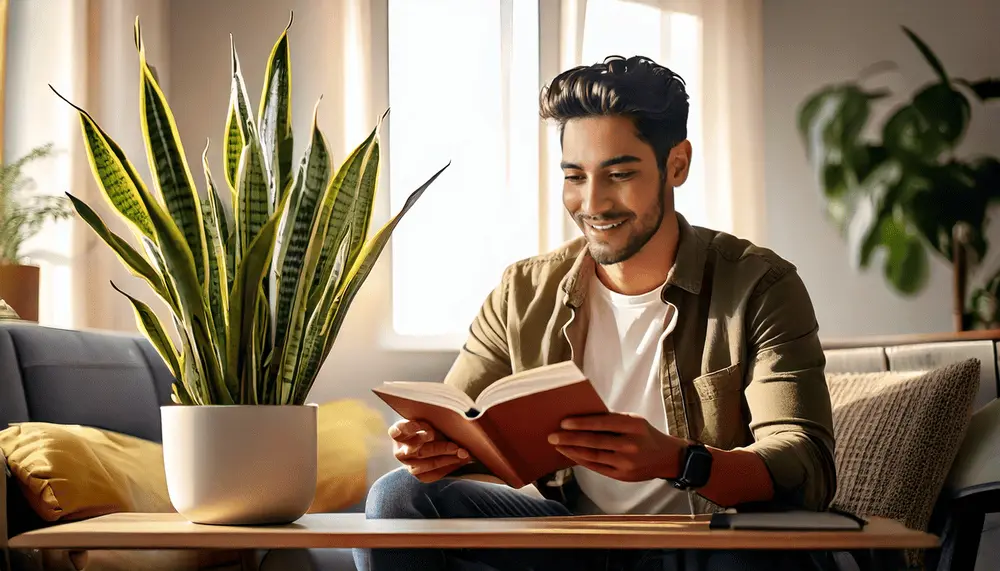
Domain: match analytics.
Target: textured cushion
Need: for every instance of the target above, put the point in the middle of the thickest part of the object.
(897, 435)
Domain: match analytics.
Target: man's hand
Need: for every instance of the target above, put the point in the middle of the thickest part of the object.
(620, 446)
(424, 452)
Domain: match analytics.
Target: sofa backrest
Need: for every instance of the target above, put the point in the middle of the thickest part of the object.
(918, 353)
(101, 379)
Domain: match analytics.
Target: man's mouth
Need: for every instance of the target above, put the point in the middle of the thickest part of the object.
(605, 227)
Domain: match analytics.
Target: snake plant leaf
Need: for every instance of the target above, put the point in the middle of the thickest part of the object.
(364, 203)
(250, 275)
(336, 213)
(192, 377)
(315, 352)
(236, 121)
(928, 54)
(216, 287)
(179, 394)
(195, 314)
(274, 118)
(114, 173)
(985, 89)
(133, 261)
(149, 324)
(313, 178)
(168, 164)
(156, 260)
(253, 203)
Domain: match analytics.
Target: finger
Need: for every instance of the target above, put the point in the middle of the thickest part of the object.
(610, 422)
(597, 440)
(590, 455)
(408, 429)
(419, 466)
(441, 448)
(602, 469)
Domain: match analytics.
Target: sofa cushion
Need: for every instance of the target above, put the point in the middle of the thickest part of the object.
(71, 472)
(897, 434)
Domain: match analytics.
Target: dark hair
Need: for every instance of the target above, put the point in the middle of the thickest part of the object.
(650, 94)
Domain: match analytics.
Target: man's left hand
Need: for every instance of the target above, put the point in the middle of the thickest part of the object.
(620, 446)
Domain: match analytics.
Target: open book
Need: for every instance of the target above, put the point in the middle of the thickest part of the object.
(507, 427)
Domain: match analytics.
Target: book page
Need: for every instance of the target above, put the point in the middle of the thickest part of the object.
(438, 394)
(529, 382)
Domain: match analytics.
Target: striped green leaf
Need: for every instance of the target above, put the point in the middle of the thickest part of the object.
(333, 317)
(192, 377)
(250, 275)
(336, 213)
(133, 261)
(156, 260)
(236, 121)
(195, 315)
(168, 163)
(115, 175)
(149, 325)
(275, 116)
(313, 177)
(252, 200)
(364, 201)
(216, 286)
(180, 394)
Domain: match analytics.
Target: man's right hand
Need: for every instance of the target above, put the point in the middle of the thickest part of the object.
(424, 451)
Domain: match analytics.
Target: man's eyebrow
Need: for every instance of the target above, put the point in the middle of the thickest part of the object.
(620, 159)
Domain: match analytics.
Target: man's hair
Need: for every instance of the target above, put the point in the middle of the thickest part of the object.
(650, 94)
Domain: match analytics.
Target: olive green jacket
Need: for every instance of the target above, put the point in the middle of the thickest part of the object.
(745, 354)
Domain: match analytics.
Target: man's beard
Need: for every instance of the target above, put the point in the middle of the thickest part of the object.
(646, 228)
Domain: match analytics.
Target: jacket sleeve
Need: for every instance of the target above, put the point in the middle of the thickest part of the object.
(787, 394)
(485, 356)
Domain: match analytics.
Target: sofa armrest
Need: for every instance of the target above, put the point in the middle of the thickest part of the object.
(977, 464)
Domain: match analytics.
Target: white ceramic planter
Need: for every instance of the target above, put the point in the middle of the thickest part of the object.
(240, 465)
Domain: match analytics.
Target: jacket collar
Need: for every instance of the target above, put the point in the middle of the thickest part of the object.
(686, 273)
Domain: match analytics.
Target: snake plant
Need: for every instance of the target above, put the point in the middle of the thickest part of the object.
(260, 273)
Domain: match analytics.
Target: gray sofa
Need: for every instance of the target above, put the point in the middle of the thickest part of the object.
(117, 382)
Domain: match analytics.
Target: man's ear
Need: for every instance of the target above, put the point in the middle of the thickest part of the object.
(679, 163)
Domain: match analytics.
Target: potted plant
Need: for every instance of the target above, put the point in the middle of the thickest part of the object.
(258, 277)
(21, 218)
(905, 191)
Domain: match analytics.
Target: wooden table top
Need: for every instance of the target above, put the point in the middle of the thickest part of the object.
(171, 531)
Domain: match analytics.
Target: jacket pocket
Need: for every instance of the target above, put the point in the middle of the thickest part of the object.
(718, 397)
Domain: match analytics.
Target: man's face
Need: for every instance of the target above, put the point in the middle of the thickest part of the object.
(612, 187)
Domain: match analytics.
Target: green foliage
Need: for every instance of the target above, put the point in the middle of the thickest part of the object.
(259, 273)
(22, 217)
(905, 191)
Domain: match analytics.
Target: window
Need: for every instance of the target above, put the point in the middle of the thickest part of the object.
(463, 86)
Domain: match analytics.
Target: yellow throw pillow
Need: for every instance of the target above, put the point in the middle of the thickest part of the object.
(346, 432)
(70, 472)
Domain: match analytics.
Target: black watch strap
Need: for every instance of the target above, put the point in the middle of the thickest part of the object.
(696, 467)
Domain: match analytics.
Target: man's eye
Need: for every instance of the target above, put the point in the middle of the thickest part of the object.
(573, 177)
(622, 175)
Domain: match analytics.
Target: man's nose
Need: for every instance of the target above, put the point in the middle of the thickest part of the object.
(596, 199)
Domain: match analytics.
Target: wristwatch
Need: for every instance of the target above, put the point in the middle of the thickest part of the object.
(696, 466)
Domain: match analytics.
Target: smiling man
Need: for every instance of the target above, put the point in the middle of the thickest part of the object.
(703, 345)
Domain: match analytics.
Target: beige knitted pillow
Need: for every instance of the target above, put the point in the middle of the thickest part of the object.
(897, 435)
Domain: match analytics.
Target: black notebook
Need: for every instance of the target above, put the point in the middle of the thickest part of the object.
(791, 520)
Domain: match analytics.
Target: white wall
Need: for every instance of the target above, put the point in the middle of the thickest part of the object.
(808, 43)
(200, 81)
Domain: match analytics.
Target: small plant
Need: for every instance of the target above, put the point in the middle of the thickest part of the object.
(260, 273)
(905, 191)
(22, 217)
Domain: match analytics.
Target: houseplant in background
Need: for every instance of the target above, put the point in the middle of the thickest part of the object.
(258, 277)
(905, 191)
(21, 218)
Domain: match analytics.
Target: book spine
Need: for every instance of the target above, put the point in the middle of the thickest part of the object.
(513, 463)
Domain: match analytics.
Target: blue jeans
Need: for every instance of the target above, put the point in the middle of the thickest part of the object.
(398, 495)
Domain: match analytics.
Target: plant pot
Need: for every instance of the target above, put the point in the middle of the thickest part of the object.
(19, 288)
(240, 464)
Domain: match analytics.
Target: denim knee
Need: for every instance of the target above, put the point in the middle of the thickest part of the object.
(396, 495)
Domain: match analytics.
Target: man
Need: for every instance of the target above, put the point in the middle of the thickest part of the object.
(703, 345)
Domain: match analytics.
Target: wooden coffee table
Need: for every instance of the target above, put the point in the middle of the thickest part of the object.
(171, 531)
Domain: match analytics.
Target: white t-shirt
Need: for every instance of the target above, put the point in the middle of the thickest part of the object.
(621, 359)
